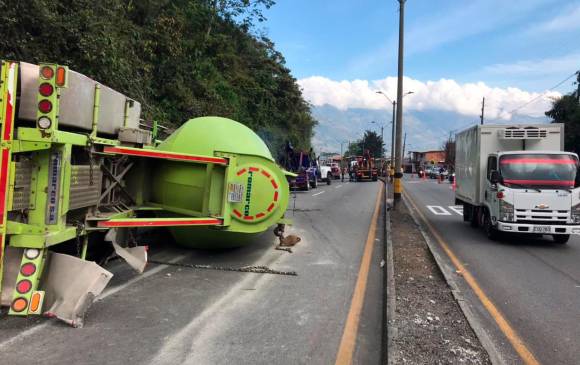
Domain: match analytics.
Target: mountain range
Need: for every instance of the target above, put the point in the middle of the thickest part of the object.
(426, 129)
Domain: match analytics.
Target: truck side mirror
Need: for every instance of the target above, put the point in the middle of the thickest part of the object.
(494, 177)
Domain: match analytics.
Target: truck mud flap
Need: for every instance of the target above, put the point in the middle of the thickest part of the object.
(71, 286)
(136, 257)
(12, 258)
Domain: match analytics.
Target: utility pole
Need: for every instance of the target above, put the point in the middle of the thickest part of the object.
(397, 185)
(482, 109)
(404, 143)
(393, 135)
(382, 141)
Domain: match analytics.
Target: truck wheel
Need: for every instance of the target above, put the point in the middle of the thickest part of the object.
(328, 179)
(314, 184)
(466, 210)
(474, 216)
(561, 238)
(489, 229)
(306, 186)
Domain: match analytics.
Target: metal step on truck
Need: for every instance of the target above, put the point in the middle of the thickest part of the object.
(517, 179)
(79, 169)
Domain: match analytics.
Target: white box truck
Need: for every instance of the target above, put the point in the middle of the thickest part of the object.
(517, 178)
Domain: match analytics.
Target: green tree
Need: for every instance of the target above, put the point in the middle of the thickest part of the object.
(567, 110)
(180, 58)
(371, 141)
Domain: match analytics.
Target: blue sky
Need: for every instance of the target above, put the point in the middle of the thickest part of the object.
(528, 44)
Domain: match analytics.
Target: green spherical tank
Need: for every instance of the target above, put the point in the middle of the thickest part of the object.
(250, 193)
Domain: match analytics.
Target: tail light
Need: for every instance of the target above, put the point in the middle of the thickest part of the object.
(45, 106)
(44, 122)
(24, 286)
(45, 89)
(500, 195)
(19, 304)
(47, 72)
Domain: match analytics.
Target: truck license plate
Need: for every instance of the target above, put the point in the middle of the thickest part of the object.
(541, 229)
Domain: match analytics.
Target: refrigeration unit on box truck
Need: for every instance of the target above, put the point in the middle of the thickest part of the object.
(517, 178)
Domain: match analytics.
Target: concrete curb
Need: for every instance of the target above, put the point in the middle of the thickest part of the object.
(448, 273)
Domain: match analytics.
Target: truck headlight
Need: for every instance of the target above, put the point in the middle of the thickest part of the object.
(506, 211)
(575, 213)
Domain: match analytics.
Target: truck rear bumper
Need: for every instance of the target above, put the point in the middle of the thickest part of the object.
(538, 228)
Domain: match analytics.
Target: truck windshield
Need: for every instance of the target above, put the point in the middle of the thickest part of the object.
(539, 170)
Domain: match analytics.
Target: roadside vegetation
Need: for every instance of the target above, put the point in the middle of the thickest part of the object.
(567, 110)
(180, 58)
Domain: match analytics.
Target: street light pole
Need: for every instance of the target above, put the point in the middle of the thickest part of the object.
(398, 187)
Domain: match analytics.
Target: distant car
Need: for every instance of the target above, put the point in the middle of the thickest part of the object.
(325, 174)
(335, 170)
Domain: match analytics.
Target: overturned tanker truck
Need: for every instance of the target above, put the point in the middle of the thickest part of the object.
(77, 169)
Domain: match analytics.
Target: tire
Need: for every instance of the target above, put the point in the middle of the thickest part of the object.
(561, 238)
(328, 179)
(466, 211)
(375, 178)
(306, 187)
(314, 184)
(490, 231)
(474, 216)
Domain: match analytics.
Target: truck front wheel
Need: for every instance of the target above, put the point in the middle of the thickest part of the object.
(490, 231)
(328, 179)
(561, 238)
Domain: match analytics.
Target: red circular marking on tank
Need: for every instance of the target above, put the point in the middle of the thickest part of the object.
(254, 169)
(266, 174)
(238, 213)
(274, 184)
(276, 196)
(271, 207)
(260, 215)
(241, 172)
(249, 217)
(28, 269)
(24, 286)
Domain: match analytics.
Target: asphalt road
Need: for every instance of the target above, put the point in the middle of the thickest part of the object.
(173, 315)
(534, 283)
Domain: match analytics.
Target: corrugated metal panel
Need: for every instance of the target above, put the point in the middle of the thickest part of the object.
(77, 101)
(85, 187)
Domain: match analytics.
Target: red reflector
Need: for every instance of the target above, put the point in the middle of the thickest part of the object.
(500, 195)
(28, 269)
(45, 106)
(45, 89)
(24, 286)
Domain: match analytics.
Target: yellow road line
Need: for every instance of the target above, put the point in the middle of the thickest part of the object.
(510, 333)
(349, 334)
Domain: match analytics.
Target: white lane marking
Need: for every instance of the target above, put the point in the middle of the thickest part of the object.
(339, 186)
(322, 192)
(457, 209)
(104, 295)
(438, 210)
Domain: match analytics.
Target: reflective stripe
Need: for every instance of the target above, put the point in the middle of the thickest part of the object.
(537, 161)
(541, 182)
(166, 155)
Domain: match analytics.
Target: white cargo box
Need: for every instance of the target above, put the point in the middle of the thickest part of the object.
(474, 145)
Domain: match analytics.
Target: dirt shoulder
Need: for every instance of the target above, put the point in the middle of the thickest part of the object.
(428, 325)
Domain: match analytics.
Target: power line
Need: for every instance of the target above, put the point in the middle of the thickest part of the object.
(542, 94)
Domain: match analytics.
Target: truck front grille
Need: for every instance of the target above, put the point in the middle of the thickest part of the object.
(539, 216)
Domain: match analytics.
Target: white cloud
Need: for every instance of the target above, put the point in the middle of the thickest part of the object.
(444, 94)
(564, 65)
